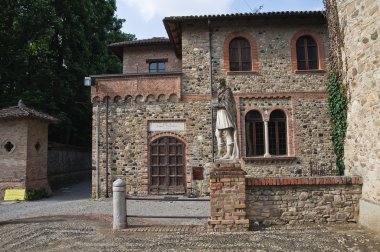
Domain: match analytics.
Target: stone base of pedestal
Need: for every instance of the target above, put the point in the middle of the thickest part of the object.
(227, 197)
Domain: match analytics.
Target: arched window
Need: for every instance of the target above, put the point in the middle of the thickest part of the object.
(307, 53)
(254, 131)
(240, 55)
(277, 133)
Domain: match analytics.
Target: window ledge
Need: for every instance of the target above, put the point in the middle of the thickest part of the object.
(242, 73)
(310, 71)
(272, 159)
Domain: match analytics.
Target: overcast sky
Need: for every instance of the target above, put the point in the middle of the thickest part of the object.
(144, 17)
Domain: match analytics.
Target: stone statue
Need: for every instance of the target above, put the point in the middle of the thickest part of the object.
(226, 125)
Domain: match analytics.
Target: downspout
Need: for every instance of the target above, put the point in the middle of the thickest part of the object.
(97, 151)
(107, 103)
(211, 90)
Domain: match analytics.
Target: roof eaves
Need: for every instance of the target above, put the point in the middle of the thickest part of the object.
(21, 111)
(241, 15)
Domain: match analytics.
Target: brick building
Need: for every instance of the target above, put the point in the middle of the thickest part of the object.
(24, 148)
(159, 134)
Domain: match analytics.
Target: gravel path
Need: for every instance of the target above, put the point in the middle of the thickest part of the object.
(75, 200)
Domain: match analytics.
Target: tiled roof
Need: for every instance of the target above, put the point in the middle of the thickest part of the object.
(156, 40)
(237, 15)
(21, 111)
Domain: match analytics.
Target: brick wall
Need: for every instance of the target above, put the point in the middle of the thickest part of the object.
(141, 88)
(13, 164)
(309, 200)
(25, 166)
(227, 198)
(134, 59)
(37, 145)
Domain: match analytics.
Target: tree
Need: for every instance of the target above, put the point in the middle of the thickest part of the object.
(47, 47)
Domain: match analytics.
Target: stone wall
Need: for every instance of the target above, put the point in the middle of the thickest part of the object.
(360, 24)
(68, 164)
(129, 139)
(134, 59)
(310, 200)
(308, 133)
(273, 41)
(274, 84)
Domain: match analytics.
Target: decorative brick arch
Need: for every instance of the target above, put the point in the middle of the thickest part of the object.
(320, 46)
(226, 49)
(289, 128)
(166, 134)
(265, 114)
(243, 145)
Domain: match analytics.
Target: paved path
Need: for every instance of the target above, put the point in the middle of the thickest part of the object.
(83, 234)
(65, 227)
(75, 200)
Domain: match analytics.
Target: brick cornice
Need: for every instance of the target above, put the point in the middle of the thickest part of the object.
(282, 95)
(286, 181)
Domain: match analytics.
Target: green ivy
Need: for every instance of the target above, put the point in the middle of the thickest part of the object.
(338, 112)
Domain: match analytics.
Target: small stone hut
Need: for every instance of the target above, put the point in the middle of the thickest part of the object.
(24, 148)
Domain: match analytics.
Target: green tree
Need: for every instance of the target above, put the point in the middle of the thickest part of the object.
(47, 47)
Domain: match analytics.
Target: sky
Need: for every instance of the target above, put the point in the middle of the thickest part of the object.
(144, 17)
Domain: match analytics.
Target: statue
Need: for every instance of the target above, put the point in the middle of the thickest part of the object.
(226, 122)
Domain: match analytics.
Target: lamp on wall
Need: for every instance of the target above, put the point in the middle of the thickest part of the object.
(89, 81)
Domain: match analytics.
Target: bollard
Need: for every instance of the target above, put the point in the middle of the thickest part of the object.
(119, 205)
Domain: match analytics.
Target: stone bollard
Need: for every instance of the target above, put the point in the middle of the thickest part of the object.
(119, 205)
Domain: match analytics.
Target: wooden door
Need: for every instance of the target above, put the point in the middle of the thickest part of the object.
(167, 170)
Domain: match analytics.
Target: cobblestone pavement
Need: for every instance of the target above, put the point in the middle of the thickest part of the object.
(71, 221)
(84, 234)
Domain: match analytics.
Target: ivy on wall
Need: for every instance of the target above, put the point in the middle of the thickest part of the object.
(338, 112)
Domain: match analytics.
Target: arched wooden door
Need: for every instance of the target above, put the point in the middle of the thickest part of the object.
(167, 169)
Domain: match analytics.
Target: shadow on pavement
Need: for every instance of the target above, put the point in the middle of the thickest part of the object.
(80, 190)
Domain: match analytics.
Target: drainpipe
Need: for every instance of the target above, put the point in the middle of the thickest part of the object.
(107, 103)
(97, 151)
(211, 91)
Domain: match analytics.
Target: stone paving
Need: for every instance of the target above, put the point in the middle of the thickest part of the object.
(85, 234)
(72, 222)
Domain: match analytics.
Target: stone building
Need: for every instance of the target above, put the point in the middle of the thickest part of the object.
(359, 24)
(24, 148)
(153, 125)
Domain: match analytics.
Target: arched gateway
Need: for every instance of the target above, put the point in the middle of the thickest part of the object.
(167, 169)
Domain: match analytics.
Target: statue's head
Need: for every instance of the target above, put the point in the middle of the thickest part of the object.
(221, 82)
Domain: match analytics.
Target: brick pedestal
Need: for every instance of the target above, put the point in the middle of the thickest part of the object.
(227, 197)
